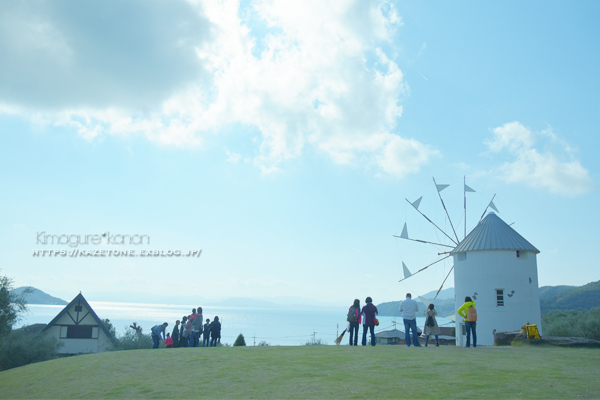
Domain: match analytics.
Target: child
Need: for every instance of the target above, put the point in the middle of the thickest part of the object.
(169, 341)
(206, 337)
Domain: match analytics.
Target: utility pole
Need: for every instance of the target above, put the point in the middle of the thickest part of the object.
(254, 339)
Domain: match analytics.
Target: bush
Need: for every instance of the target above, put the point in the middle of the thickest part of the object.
(574, 323)
(21, 348)
(263, 343)
(315, 342)
(240, 341)
(133, 340)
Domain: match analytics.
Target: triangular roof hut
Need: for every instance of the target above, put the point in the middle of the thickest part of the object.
(79, 328)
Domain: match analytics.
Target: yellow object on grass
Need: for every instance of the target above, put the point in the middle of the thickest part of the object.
(532, 331)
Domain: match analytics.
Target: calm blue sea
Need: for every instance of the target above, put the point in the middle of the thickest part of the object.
(292, 326)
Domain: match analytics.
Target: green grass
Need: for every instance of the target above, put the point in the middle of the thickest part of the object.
(314, 372)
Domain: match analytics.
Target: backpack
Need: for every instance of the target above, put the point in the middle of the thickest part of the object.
(472, 314)
(352, 315)
(430, 321)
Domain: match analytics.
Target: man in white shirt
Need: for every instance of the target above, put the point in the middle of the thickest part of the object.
(409, 309)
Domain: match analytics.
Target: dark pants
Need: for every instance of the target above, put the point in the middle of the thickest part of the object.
(206, 340)
(155, 340)
(353, 333)
(213, 341)
(364, 339)
(194, 339)
(471, 327)
(411, 324)
(437, 339)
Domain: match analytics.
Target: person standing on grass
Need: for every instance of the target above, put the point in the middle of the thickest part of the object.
(191, 318)
(369, 312)
(197, 327)
(468, 312)
(409, 309)
(206, 334)
(184, 334)
(156, 331)
(431, 325)
(354, 320)
(175, 334)
(215, 331)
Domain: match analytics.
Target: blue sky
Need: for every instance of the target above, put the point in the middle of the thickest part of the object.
(282, 139)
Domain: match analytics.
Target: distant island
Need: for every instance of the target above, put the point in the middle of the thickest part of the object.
(39, 297)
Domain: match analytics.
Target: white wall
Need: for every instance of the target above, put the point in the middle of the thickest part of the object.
(483, 272)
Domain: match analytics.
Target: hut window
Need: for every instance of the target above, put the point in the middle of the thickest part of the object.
(499, 297)
(79, 332)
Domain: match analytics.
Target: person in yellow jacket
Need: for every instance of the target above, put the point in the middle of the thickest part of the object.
(471, 326)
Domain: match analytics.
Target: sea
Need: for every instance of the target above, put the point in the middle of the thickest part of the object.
(290, 326)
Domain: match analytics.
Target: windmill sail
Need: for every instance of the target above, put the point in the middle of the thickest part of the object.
(404, 234)
(417, 202)
(493, 206)
(406, 271)
(425, 301)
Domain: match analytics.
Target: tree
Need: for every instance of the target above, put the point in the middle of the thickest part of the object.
(11, 305)
(240, 341)
(110, 327)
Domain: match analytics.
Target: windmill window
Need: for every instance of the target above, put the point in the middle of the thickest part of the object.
(499, 297)
(462, 256)
(518, 254)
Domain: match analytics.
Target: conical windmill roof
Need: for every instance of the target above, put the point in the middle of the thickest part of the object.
(493, 234)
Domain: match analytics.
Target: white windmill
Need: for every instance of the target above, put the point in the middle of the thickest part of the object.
(496, 267)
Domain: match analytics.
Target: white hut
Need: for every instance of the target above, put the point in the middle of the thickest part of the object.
(80, 330)
(497, 268)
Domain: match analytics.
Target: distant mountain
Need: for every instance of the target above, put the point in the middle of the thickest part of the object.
(39, 297)
(586, 297)
(547, 291)
(443, 295)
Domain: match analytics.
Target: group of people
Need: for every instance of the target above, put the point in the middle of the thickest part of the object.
(188, 331)
(409, 308)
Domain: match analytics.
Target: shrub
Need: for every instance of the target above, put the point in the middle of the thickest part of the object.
(263, 343)
(240, 341)
(315, 342)
(574, 323)
(21, 348)
(133, 340)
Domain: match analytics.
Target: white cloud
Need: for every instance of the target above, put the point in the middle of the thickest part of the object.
(306, 75)
(233, 157)
(558, 173)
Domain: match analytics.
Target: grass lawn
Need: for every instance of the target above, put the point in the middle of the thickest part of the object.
(314, 372)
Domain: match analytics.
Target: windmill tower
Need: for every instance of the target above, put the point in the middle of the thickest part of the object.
(496, 267)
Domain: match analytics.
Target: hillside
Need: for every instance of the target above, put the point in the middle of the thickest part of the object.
(39, 297)
(312, 372)
(585, 297)
(547, 291)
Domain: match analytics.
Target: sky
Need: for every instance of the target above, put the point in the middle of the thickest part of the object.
(283, 140)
